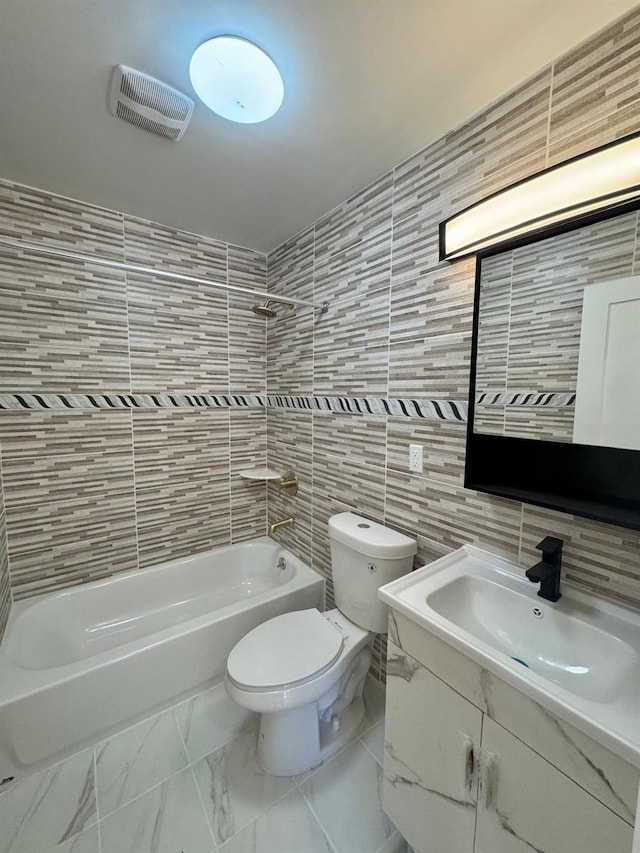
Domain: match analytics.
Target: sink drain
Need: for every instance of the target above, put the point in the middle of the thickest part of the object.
(519, 660)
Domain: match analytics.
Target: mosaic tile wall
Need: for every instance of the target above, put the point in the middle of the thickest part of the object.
(529, 327)
(115, 454)
(400, 325)
(127, 406)
(5, 585)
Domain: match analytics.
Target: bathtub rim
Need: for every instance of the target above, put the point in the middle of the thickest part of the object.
(18, 683)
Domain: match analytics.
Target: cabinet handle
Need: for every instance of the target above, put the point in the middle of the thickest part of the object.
(469, 768)
(488, 778)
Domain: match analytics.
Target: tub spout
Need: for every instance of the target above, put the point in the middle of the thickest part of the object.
(286, 522)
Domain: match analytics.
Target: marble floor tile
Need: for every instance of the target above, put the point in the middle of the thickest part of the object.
(373, 739)
(234, 789)
(167, 819)
(289, 826)
(302, 777)
(136, 760)
(345, 797)
(49, 808)
(374, 698)
(394, 844)
(150, 801)
(211, 720)
(85, 842)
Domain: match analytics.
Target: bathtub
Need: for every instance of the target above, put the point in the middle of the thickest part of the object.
(78, 664)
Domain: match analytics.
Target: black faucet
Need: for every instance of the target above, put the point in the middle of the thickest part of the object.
(547, 571)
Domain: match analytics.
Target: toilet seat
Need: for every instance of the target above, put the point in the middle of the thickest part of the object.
(284, 651)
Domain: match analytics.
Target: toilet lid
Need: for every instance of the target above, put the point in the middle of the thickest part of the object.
(286, 649)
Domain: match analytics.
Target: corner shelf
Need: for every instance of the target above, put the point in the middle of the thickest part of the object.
(260, 474)
(288, 481)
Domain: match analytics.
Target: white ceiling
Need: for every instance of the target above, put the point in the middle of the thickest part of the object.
(367, 84)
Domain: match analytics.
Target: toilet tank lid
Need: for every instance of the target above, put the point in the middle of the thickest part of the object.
(369, 537)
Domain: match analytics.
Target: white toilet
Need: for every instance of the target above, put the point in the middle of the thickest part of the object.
(304, 671)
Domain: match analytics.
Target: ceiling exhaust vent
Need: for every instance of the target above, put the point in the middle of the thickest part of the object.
(148, 103)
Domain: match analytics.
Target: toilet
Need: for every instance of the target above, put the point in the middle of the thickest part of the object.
(304, 671)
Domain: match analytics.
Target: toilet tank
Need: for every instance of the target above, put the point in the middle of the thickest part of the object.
(364, 556)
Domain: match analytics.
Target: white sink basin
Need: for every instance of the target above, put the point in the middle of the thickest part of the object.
(554, 641)
(579, 656)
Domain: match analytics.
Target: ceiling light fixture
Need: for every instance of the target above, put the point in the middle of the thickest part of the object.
(236, 79)
(604, 179)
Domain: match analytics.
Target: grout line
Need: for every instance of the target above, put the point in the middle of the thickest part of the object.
(126, 304)
(135, 493)
(148, 790)
(506, 372)
(548, 139)
(312, 531)
(5, 534)
(204, 808)
(522, 505)
(317, 819)
(181, 736)
(229, 476)
(133, 460)
(386, 425)
(359, 737)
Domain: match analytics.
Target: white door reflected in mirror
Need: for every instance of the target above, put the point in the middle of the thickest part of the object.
(607, 409)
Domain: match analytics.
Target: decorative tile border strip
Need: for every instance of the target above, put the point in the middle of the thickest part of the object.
(444, 410)
(526, 399)
(127, 401)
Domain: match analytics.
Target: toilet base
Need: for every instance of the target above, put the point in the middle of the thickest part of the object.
(298, 739)
(294, 741)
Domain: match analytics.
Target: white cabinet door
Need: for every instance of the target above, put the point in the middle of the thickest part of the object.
(526, 805)
(430, 787)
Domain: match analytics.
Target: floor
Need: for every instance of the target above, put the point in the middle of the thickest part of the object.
(187, 781)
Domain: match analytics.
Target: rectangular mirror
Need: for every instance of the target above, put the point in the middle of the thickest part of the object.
(554, 414)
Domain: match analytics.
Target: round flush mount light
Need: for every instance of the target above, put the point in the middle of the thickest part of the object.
(236, 79)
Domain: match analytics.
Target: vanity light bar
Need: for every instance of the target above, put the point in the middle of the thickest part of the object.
(603, 179)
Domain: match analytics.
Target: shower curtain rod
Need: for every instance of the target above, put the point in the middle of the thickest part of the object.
(50, 251)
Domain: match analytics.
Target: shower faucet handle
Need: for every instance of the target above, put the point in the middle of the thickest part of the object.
(289, 483)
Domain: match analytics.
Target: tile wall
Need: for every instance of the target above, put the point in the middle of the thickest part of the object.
(119, 445)
(5, 585)
(399, 326)
(128, 416)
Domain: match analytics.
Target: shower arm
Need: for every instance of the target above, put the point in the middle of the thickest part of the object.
(51, 252)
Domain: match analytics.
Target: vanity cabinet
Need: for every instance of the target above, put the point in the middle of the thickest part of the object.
(431, 734)
(473, 766)
(528, 804)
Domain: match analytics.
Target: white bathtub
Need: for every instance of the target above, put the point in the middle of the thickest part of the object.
(77, 664)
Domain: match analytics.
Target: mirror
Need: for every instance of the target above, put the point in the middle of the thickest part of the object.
(558, 331)
(556, 371)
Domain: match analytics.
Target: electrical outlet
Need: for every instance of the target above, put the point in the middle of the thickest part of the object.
(415, 458)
